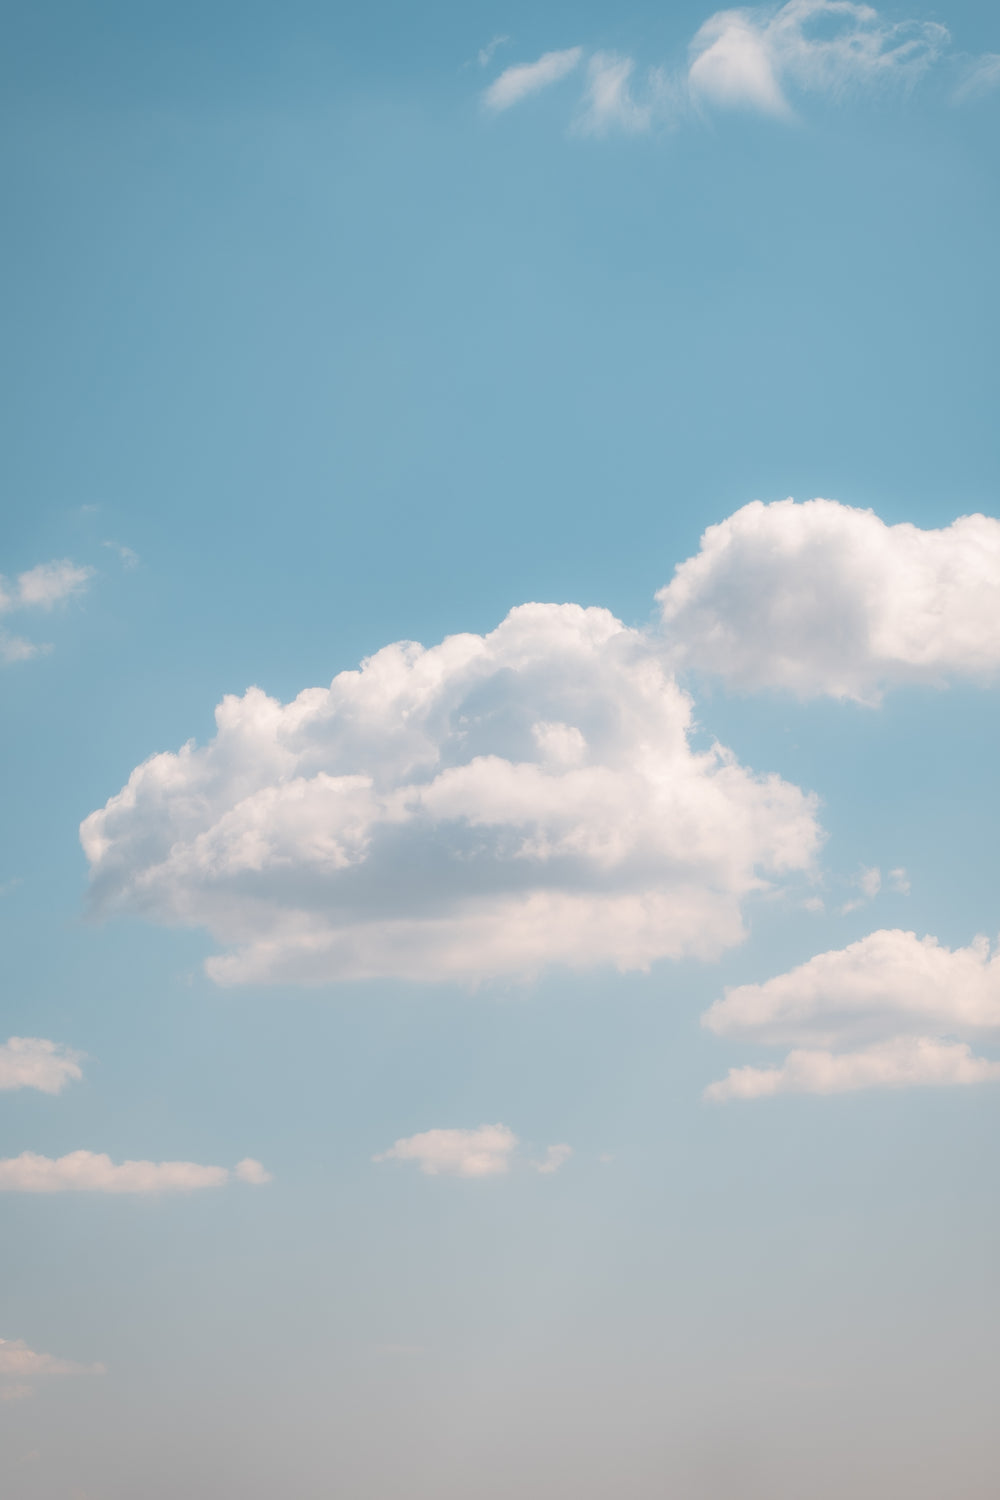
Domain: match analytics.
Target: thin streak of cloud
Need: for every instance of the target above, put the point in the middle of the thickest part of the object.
(521, 80)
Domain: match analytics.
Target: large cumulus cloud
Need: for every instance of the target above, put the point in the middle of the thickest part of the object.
(819, 598)
(481, 808)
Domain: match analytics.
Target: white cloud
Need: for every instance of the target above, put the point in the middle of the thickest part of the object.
(485, 54)
(92, 1172)
(820, 598)
(484, 1152)
(754, 57)
(40, 587)
(889, 1010)
(249, 1170)
(516, 83)
(899, 881)
(486, 807)
(903, 1062)
(15, 648)
(32, 1062)
(18, 1360)
(46, 585)
(554, 1158)
(129, 558)
(732, 64)
(608, 101)
(982, 76)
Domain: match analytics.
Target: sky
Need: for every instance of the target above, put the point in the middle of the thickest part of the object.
(499, 654)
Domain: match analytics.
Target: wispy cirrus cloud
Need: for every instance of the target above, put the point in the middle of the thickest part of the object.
(767, 59)
(523, 79)
(95, 1172)
(890, 1011)
(33, 1062)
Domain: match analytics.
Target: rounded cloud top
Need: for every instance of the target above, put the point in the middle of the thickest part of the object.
(485, 807)
(822, 599)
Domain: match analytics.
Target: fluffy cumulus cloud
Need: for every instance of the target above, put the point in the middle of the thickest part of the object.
(32, 1062)
(891, 1010)
(761, 58)
(19, 1366)
(481, 808)
(521, 80)
(484, 1152)
(93, 1172)
(820, 598)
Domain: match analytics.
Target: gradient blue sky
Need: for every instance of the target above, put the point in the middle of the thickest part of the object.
(340, 357)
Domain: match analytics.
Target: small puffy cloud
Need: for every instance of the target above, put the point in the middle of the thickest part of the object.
(483, 808)
(753, 58)
(44, 586)
(32, 1062)
(899, 881)
(887, 1011)
(819, 598)
(554, 1158)
(517, 82)
(249, 1170)
(93, 1172)
(485, 1152)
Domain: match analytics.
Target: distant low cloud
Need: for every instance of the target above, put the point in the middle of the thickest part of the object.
(485, 1152)
(32, 1062)
(767, 59)
(92, 1172)
(891, 1010)
(20, 1365)
(523, 79)
(903, 1062)
(819, 599)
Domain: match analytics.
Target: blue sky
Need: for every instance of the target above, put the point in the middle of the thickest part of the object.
(323, 334)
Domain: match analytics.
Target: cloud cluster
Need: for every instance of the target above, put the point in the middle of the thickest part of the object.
(41, 587)
(760, 58)
(93, 1172)
(485, 807)
(891, 1010)
(820, 598)
(32, 1062)
(484, 1152)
